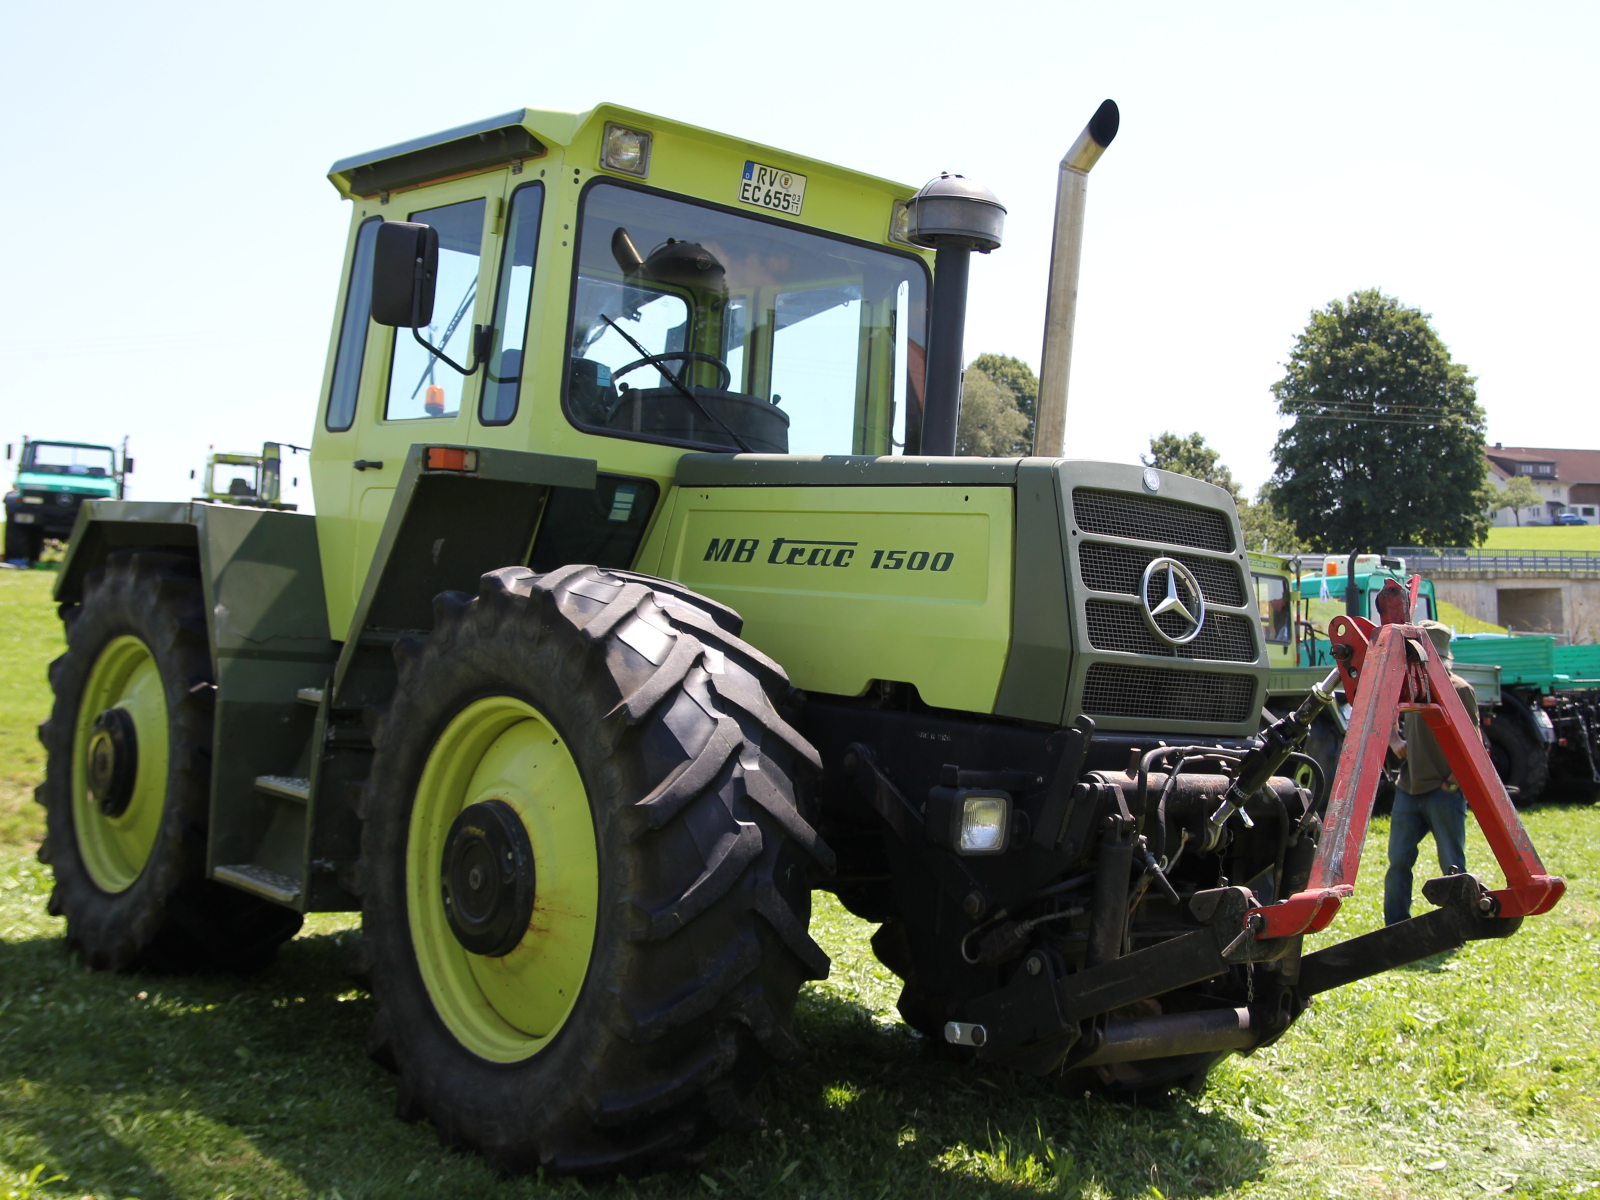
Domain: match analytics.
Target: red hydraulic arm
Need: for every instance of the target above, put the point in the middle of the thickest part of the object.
(1388, 670)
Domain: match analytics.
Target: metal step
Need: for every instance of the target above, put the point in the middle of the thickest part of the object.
(261, 882)
(287, 786)
(311, 696)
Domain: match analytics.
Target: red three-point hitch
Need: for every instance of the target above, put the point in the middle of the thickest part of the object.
(1388, 670)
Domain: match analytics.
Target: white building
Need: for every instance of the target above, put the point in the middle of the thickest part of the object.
(1566, 480)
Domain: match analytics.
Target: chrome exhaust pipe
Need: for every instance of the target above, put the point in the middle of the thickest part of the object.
(1066, 251)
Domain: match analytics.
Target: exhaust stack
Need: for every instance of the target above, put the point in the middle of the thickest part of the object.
(1066, 251)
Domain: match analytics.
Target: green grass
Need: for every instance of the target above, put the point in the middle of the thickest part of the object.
(1323, 611)
(152, 1086)
(1544, 537)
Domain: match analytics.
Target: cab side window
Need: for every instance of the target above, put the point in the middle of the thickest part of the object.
(1272, 597)
(353, 332)
(504, 383)
(419, 384)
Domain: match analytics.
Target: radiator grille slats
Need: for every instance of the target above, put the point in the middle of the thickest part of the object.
(1107, 568)
(1225, 637)
(1114, 690)
(1147, 519)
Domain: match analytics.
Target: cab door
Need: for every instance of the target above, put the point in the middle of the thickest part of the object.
(417, 397)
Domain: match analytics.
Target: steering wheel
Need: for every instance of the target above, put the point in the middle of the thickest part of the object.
(684, 356)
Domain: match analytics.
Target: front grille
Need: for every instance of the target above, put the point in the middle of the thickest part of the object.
(1225, 637)
(1113, 690)
(1107, 568)
(1144, 519)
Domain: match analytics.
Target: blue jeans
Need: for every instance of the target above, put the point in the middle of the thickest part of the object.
(1440, 812)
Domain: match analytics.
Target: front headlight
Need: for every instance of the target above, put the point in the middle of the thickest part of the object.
(969, 821)
(1547, 730)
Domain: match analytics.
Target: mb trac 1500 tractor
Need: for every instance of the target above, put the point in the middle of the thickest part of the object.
(643, 596)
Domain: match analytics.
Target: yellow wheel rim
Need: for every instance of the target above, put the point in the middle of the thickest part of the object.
(115, 849)
(506, 1009)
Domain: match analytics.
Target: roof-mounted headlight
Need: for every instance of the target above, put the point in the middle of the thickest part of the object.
(626, 150)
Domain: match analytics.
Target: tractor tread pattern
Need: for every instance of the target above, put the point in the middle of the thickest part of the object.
(698, 789)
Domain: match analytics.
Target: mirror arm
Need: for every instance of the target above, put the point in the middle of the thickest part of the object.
(481, 334)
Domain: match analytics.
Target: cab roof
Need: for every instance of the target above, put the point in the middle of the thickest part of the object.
(527, 133)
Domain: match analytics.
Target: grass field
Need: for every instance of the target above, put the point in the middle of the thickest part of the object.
(1471, 1075)
(1544, 537)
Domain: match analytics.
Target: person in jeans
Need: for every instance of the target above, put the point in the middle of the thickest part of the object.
(1427, 798)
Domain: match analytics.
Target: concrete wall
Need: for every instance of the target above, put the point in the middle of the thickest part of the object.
(1546, 603)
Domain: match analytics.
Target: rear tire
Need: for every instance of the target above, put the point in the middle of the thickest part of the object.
(1521, 761)
(132, 885)
(637, 739)
(23, 543)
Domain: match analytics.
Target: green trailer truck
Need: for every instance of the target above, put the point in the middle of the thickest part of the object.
(624, 621)
(1551, 688)
(53, 480)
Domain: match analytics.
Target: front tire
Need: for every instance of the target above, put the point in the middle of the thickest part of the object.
(127, 783)
(612, 735)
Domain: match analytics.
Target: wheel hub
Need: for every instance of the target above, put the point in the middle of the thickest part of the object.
(111, 763)
(487, 876)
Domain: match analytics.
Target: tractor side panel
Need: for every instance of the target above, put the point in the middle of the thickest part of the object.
(269, 632)
(847, 585)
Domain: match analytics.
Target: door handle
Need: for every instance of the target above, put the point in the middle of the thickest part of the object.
(362, 464)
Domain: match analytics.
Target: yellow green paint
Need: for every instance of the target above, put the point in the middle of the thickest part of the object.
(506, 1009)
(847, 585)
(115, 849)
(685, 160)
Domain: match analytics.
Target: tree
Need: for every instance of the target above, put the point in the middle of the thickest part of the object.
(1192, 457)
(1518, 494)
(1385, 446)
(990, 425)
(1264, 526)
(1018, 378)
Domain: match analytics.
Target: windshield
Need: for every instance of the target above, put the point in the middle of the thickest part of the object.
(55, 458)
(726, 332)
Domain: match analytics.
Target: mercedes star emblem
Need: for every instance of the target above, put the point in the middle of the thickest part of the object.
(1183, 598)
(1152, 480)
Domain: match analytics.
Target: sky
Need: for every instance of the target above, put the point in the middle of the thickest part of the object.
(174, 245)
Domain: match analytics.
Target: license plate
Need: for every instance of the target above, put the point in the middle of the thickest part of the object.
(22, 518)
(771, 187)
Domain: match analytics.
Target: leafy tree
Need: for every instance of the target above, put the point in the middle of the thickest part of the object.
(990, 425)
(1385, 446)
(1018, 378)
(1192, 457)
(1518, 494)
(1265, 526)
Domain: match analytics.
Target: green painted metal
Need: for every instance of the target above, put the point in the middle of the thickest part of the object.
(352, 505)
(847, 585)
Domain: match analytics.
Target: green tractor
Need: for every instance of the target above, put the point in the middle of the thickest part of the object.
(643, 596)
(251, 480)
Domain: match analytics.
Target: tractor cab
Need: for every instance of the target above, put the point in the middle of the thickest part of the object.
(250, 480)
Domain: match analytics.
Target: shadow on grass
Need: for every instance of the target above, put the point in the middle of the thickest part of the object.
(138, 1085)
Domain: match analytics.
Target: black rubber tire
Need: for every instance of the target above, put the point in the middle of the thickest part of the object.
(171, 918)
(22, 542)
(704, 864)
(1521, 761)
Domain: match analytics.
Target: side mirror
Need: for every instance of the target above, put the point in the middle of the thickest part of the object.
(127, 466)
(405, 271)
